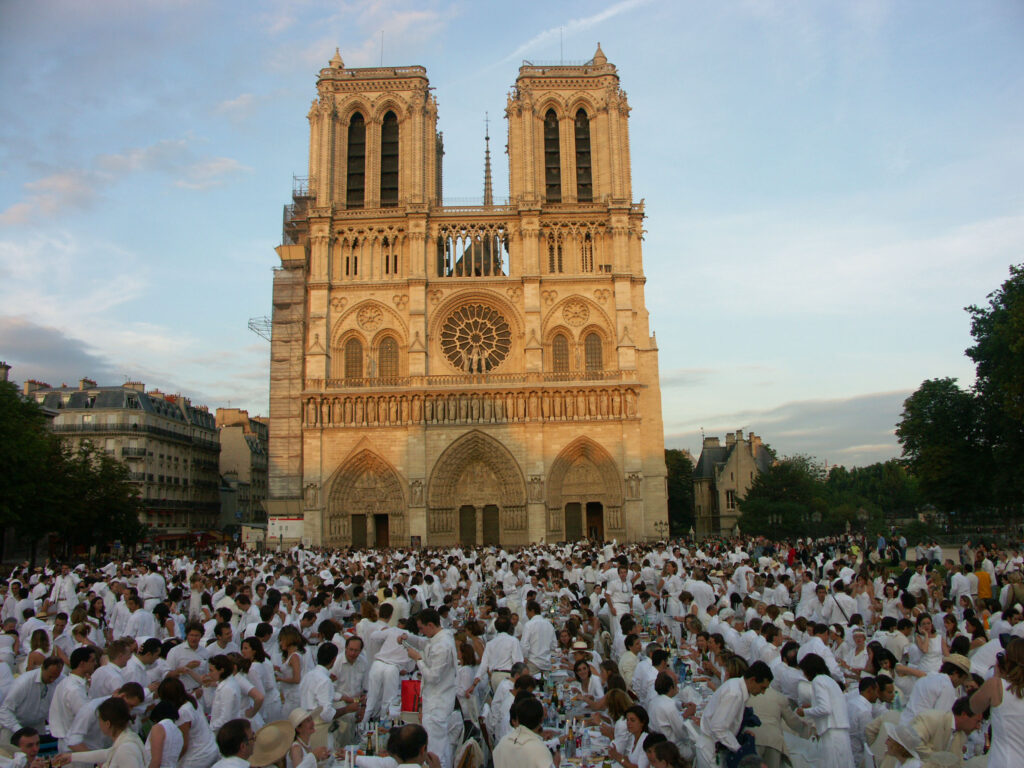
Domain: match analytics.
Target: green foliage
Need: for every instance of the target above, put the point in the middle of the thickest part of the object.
(680, 491)
(82, 494)
(884, 487)
(783, 501)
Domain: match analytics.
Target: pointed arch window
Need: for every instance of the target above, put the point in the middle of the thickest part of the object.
(355, 189)
(560, 354)
(587, 254)
(387, 358)
(584, 181)
(552, 160)
(353, 359)
(592, 352)
(389, 161)
(554, 253)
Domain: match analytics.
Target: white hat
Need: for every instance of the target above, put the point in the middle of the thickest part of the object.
(297, 715)
(726, 613)
(788, 616)
(906, 737)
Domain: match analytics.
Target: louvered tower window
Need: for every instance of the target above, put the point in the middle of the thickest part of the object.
(554, 254)
(353, 359)
(387, 358)
(552, 162)
(584, 182)
(356, 177)
(560, 354)
(592, 350)
(389, 161)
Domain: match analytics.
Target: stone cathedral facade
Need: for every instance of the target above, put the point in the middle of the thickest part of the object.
(471, 375)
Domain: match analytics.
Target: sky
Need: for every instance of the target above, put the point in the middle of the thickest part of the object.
(827, 186)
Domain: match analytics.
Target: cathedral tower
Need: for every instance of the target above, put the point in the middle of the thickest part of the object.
(472, 374)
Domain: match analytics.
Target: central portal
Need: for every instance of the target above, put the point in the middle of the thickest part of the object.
(380, 528)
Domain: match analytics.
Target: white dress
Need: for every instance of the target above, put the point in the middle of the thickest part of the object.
(289, 691)
(1007, 731)
(832, 722)
(202, 748)
(174, 742)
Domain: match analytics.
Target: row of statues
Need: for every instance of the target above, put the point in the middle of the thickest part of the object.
(474, 408)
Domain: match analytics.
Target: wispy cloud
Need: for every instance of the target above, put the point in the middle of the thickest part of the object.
(48, 196)
(212, 172)
(544, 40)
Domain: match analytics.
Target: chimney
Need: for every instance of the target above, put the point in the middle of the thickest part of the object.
(5, 369)
(34, 386)
(755, 440)
(730, 439)
(138, 386)
(84, 383)
(711, 442)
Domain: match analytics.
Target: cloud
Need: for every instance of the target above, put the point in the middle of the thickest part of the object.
(49, 354)
(572, 27)
(78, 189)
(853, 431)
(213, 172)
(685, 377)
(51, 195)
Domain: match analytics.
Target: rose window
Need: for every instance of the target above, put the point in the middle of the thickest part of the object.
(476, 338)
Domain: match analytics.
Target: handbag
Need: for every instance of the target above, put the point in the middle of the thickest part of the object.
(412, 699)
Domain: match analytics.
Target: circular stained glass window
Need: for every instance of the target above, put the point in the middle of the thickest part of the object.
(475, 338)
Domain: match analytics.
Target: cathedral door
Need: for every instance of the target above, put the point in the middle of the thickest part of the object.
(380, 530)
(573, 522)
(467, 526)
(492, 530)
(595, 520)
(359, 531)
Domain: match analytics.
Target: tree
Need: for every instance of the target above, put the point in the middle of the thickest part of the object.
(998, 355)
(785, 500)
(941, 432)
(680, 491)
(882, 487)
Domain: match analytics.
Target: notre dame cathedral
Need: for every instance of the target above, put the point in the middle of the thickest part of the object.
(464, 375)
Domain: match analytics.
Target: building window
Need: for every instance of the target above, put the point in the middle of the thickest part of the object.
(584, 184)
(560, 354)
(554, 253)
(592, 351)
(730, 499)
(387, 358)
(587, 254)
(356, 177)
(552, 161)
(389, 161)
(353, 359)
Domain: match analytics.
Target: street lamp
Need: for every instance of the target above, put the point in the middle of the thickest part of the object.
(661, 527)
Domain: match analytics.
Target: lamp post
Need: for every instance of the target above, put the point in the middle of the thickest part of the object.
(661, 527)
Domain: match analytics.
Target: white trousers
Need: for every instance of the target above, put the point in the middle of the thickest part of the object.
(435, 721)
(383, 690)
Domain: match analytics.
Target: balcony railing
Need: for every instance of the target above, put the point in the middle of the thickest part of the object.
(473, 380)
(133, 452)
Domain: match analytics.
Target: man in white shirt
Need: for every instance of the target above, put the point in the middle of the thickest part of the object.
(860, 706)
(723, 715)
(235, 742)
(408, 746)
(28, 701)
(62, 596)
(500, 653)
(316, 691)
(71, 694)
(438, 663)
(110, 677)
(383, 689)
(539, 640)
(188, 660)
(141, 623)
(937, 690)
(665, 716)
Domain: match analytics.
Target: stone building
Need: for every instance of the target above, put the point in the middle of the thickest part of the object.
(464, 374)
(722, 476)
(169, 445)
(243, 462)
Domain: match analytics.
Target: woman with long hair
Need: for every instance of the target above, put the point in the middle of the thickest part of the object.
(1004, 695)
(590, 685)
(289, 675)
(39, 649)
(165, 742)
(200, 750)
(925, 652)
(127, 750)
(829, 712)
(261, 674)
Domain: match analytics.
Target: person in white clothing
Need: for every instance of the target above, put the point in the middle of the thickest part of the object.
(723, 716)
(1004, 695)
(937, 690)
(28, 701)
(71, 694)
(408, 746)
(235, 743)
(539, 640)
(665, 715)
(438, 664)
(829, 712)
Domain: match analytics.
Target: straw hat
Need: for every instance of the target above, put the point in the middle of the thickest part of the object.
(960, 661)
(906, 737)
(272, 742)
(297, 715)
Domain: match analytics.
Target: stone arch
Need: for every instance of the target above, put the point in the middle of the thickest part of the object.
(598, 319)
(362, 488)
(550, 100)
(391, 104)
(390, 320)
(477, 471)
(350, 107)
(581, 101)
(585, 473)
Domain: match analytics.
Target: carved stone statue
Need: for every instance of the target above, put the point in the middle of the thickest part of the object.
(633, 485)
(416, 492)
(311, 495)
(536, 488)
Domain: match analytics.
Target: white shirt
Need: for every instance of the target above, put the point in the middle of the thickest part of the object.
(317, 690)
(28, 702)
(668, 720)
(500, 653)
(350, 679)
(539, 641)
(724, 713)
(69, 697)
(933, 691)
(522, 748)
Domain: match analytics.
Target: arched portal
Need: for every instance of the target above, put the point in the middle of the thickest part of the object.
(585, 494)
(366, 506)
(476, 495)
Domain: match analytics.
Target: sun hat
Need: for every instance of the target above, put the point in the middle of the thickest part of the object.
(960, 661)
(297, 715)
(272, 743)
(906, 737)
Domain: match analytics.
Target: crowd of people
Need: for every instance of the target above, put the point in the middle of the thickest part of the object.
(739, 652)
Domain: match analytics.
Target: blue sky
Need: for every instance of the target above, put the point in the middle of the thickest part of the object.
(827, 185)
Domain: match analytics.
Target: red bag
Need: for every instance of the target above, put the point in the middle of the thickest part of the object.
(411, 698)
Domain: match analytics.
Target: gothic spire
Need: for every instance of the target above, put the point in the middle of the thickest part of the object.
(488, 189)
